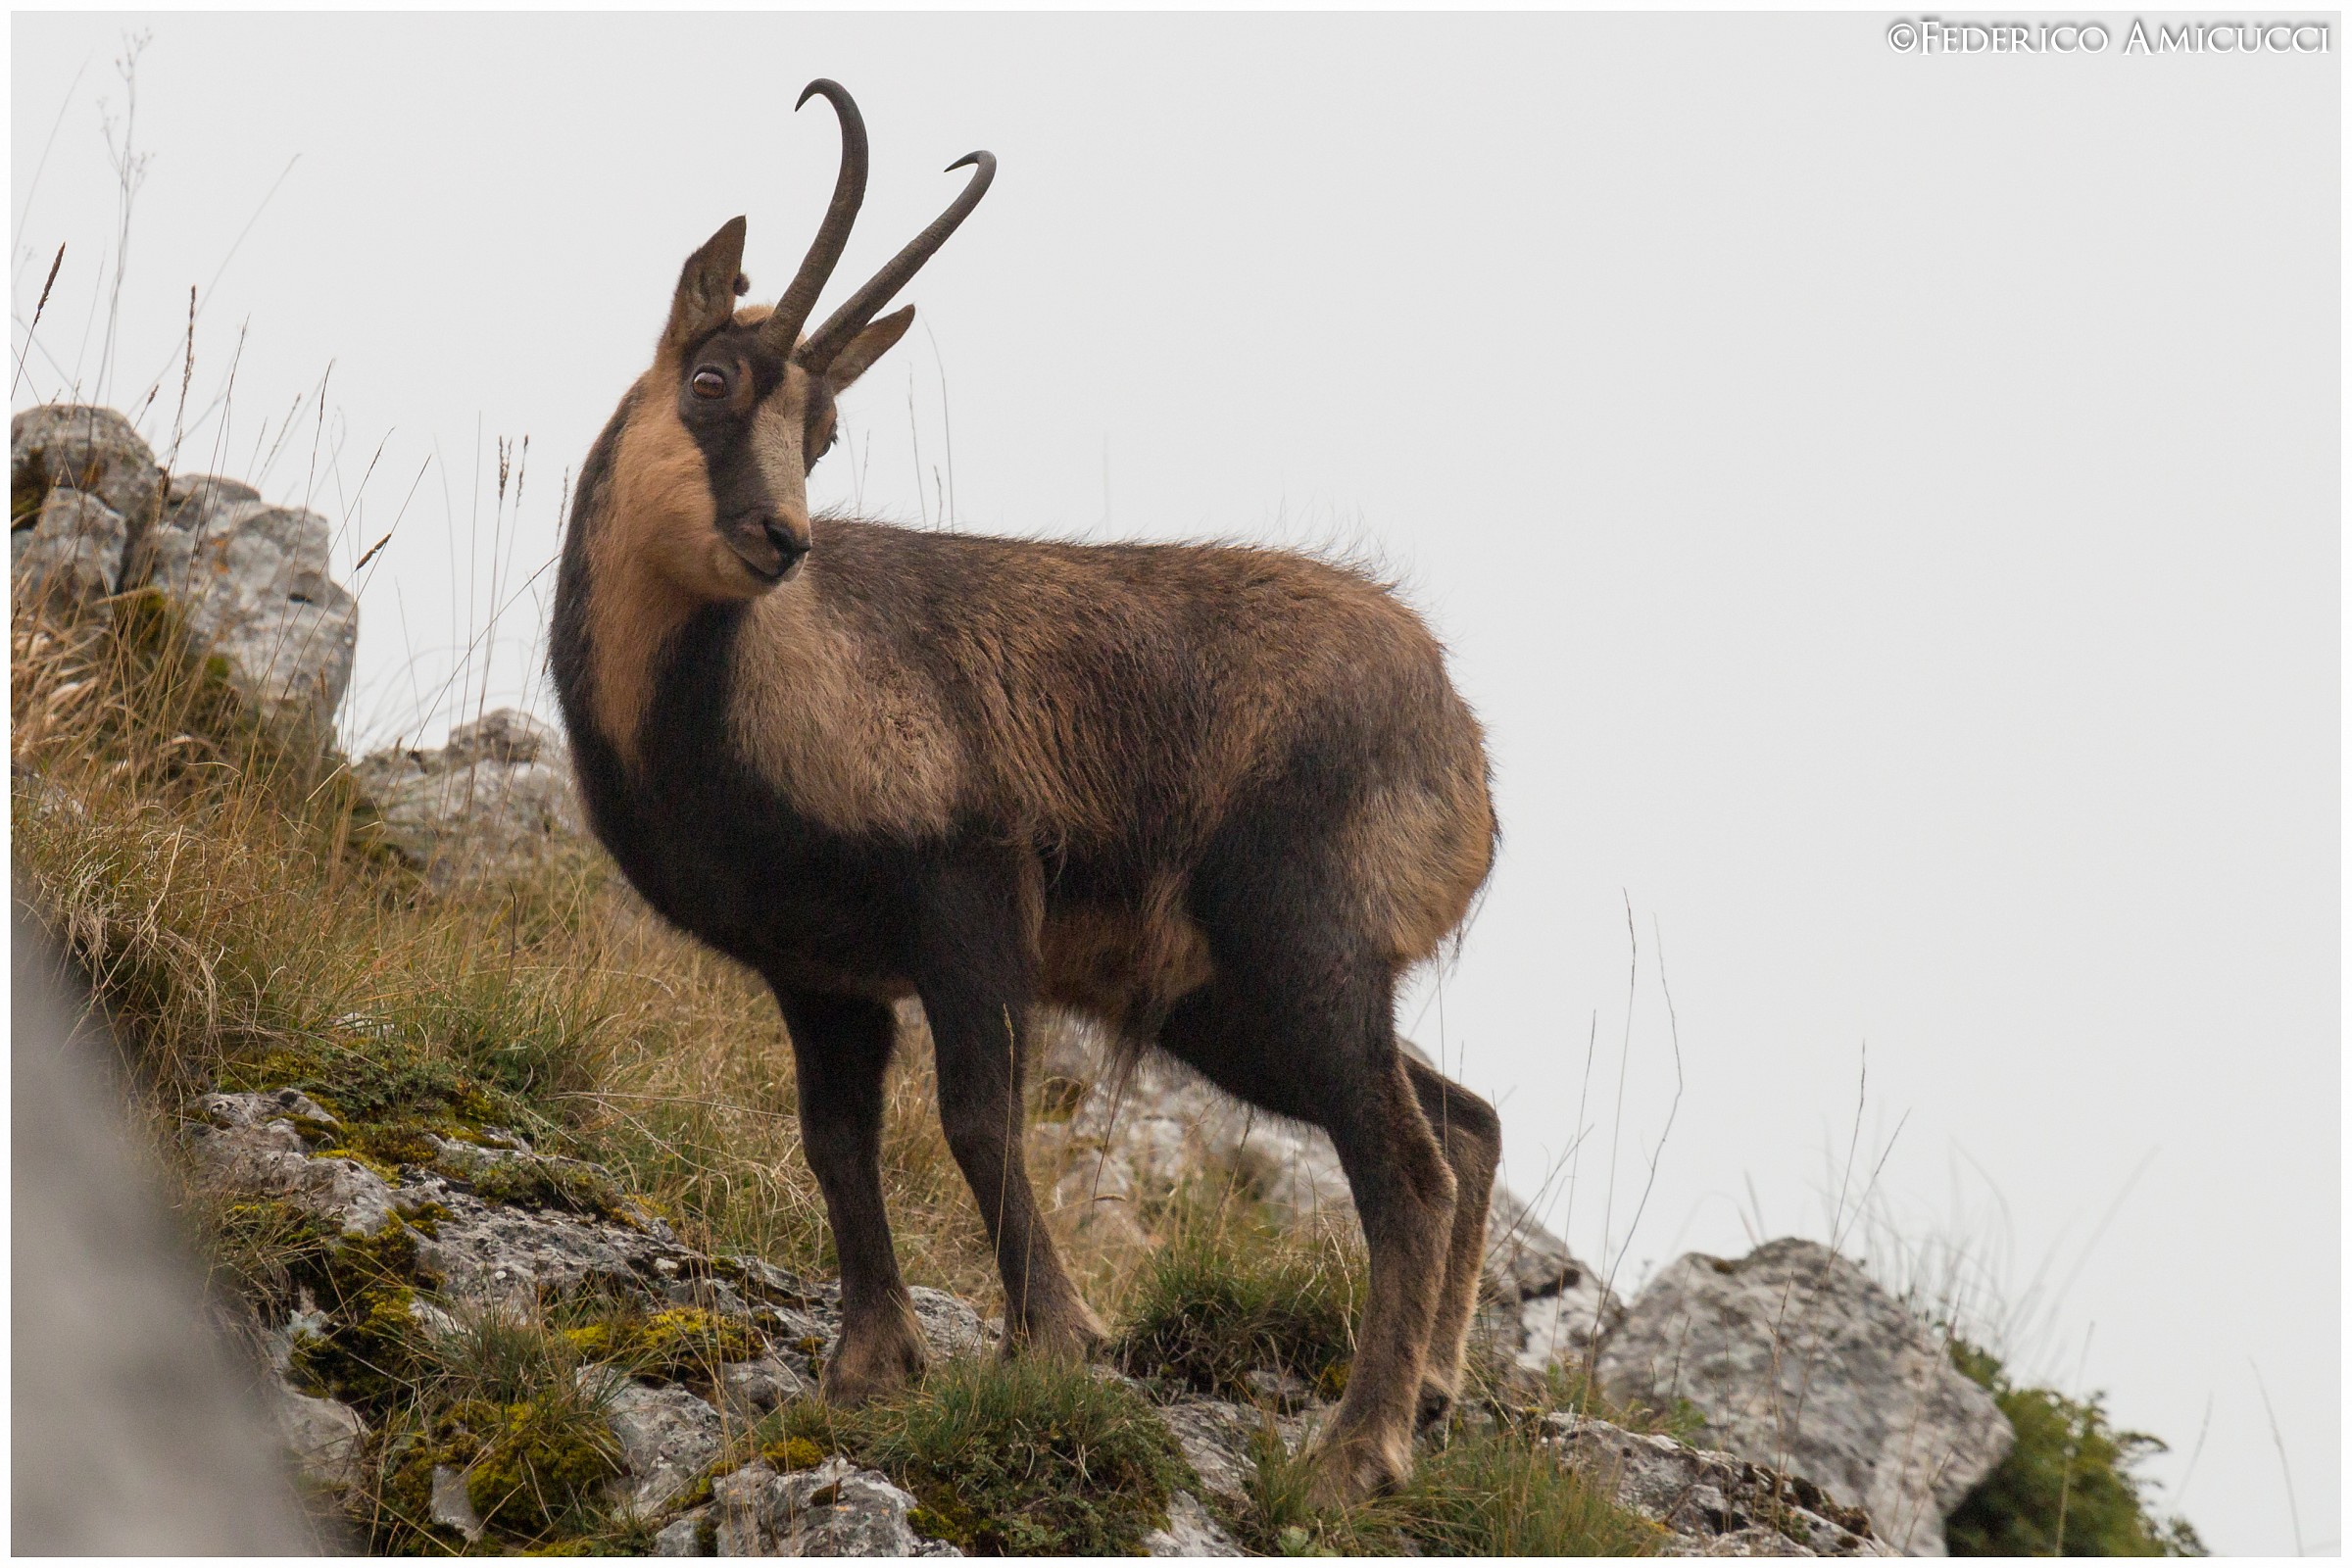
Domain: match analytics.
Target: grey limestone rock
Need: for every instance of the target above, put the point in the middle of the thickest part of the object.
(1215, 1438)
(750, 1389)
(1711, 1504)
(1800, 1361)
(72, 548)
(451, 1507)
(250, 1145)
(80, 447)
(486, 804)
(251, 581)
(833, 1510)
(324, 1437)
(1192, 1531)
(667, 1435)
(682, 1537)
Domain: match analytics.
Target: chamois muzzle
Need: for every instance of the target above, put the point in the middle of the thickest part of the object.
(770, 548)
(790, 549)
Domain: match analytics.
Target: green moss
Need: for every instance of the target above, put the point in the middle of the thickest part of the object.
(372, 1353)
(535, 1471)
(678, 1345)
(368, 1356)
(2067, 1487)
(793, 1454)
(528, 1181)
(1231, 1296)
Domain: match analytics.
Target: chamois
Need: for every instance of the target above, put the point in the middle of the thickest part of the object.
(1217, 797)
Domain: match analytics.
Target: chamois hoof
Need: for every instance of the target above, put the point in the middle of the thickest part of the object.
(857, 1374)
(1350, 1470)
(1072, 1333)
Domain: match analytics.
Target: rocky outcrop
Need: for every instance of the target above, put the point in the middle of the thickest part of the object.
(834, 1510)
(666, 1436)
(1192, 1531)
(92, 513)
(489, 1253)
(72, 545)
(251, 581)
(1798, 1359)
(88, 450)
(493, 800)
(1710, 1504)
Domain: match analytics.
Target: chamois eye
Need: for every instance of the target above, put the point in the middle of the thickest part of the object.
(710, 385)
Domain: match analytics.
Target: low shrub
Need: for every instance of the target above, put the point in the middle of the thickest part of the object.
(2067, 1488)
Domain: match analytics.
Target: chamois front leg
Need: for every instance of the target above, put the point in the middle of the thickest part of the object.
(977, 994)
(840, 1048)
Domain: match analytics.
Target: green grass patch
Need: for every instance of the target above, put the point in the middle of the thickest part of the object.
(1028, 1457)
(1482, 1491)
(1229, 1295)
(2067, 1488)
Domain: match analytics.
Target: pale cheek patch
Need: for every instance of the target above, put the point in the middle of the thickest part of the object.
(776, 448)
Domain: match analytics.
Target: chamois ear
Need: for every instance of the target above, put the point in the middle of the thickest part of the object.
(858, 355)
(706, 297)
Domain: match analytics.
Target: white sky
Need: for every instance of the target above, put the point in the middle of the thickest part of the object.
(1884, 508)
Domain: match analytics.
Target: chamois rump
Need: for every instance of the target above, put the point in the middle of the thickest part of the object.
(1217, 797)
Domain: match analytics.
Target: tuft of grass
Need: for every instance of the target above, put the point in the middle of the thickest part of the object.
(1487, 1490)
(1032, 1457)
(2067, 1488)
(1228, 1294)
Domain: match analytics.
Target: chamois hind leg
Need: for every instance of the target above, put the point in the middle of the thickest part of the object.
(840, 1049)
(1471, 1135)
(1307, 1033)
(976, 986)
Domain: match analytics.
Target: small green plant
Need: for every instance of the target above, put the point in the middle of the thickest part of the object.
(1229, 1295)
(2067, 1488)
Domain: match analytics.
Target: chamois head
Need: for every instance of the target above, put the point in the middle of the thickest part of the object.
(739, 405)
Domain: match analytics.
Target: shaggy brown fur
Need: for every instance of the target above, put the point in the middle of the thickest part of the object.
(1219, 798)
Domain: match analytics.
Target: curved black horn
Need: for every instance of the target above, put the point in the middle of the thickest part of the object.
(859, 309)
(783, 328)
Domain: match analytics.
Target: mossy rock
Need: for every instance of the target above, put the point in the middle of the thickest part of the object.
(676, 1344)
(533, 1470)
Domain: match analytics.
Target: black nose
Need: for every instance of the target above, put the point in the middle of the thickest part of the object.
(787, 546)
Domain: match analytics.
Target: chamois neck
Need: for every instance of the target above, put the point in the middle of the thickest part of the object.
(633, 616)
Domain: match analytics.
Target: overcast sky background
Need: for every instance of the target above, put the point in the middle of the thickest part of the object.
(1884, 508)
